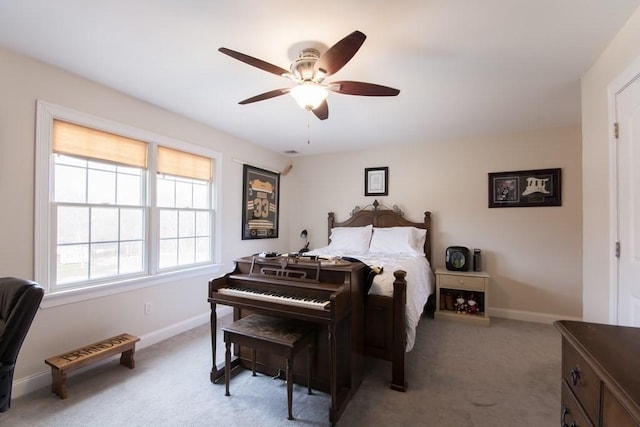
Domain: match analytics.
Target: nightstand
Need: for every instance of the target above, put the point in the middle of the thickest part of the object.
(451, 285)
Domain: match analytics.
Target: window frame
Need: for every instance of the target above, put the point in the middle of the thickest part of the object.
(44, 223)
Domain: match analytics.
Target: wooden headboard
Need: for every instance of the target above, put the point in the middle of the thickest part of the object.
(381, 216)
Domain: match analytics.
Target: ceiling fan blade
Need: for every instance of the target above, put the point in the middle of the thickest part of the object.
(266, 95)
(255, 62)
(322, 111)
(347, 87)
(339, 54)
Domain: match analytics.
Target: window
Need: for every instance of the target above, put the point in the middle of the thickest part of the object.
(182, 199)
(118, 205)
(99, 216)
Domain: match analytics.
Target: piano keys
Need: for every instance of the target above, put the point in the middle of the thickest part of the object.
(331, 296)
(317, 303)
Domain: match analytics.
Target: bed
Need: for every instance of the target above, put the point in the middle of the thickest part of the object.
(397, 297)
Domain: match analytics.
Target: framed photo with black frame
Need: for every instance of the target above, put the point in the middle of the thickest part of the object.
(260, 203)
(528, 188)
(376, 181)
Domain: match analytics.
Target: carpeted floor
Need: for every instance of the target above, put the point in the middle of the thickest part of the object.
(459, 376)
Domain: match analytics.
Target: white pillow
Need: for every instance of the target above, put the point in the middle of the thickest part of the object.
(419, 238)
(350, 239)
(398, 240)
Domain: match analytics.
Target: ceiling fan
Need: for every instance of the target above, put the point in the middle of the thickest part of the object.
(309, 72)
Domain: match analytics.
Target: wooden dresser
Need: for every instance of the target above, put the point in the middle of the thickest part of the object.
(600, 375)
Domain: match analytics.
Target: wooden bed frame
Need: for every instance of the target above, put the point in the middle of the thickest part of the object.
(385, 317)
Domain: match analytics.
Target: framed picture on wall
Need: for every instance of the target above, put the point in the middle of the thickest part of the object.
(538, 187)
(260, 203)
(376, 181)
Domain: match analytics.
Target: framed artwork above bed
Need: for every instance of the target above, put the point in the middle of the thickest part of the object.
(376, 181)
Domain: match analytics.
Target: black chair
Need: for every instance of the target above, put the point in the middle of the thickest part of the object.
(19, 301)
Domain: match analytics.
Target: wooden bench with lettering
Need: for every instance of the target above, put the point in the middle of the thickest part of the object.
(84, 356)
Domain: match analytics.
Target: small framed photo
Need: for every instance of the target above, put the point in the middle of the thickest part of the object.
(538, 187)
(376, 181)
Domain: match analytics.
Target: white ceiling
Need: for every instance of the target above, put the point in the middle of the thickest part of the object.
(465, 68)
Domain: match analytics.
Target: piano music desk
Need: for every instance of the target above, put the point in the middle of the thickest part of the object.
(282, 337)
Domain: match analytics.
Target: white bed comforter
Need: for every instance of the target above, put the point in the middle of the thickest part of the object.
(420, 281)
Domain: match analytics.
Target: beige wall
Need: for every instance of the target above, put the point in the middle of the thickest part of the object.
(532, 254)
(61, 328)
(597, 237)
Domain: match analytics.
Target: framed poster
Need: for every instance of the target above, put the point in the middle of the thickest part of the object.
(260, 203)
(376, 181)
(539, 187)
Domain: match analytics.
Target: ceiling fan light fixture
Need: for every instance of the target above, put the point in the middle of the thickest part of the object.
(309, 95)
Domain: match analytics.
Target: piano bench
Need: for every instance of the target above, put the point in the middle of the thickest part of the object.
(281, 337)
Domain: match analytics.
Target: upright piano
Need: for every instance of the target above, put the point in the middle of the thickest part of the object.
(328, 293)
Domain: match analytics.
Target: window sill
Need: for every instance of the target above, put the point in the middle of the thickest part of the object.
(71, 296)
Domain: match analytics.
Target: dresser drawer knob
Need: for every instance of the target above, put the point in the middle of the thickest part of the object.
(461, 281)
(563, 415)
(575, 376)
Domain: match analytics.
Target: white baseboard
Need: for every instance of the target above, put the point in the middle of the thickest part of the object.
(42, 379)
(528, 316)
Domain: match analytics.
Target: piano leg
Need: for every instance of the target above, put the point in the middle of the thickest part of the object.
(310, 354)
(217, 371)
(333, 386)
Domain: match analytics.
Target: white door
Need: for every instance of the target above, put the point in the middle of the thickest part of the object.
(628, 158)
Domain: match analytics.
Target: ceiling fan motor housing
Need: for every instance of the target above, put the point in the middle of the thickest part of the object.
(303, 67)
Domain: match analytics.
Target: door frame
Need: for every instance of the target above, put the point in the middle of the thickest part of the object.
(617, 85)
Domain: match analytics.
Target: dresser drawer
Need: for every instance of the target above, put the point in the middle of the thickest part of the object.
(613, 413)
(572, 413)
(582, 380)
(461, 282)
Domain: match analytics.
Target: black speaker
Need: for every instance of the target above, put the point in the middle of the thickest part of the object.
(476, 260)
(457, 258)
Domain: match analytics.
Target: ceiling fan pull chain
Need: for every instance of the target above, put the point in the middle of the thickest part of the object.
(308, 142)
